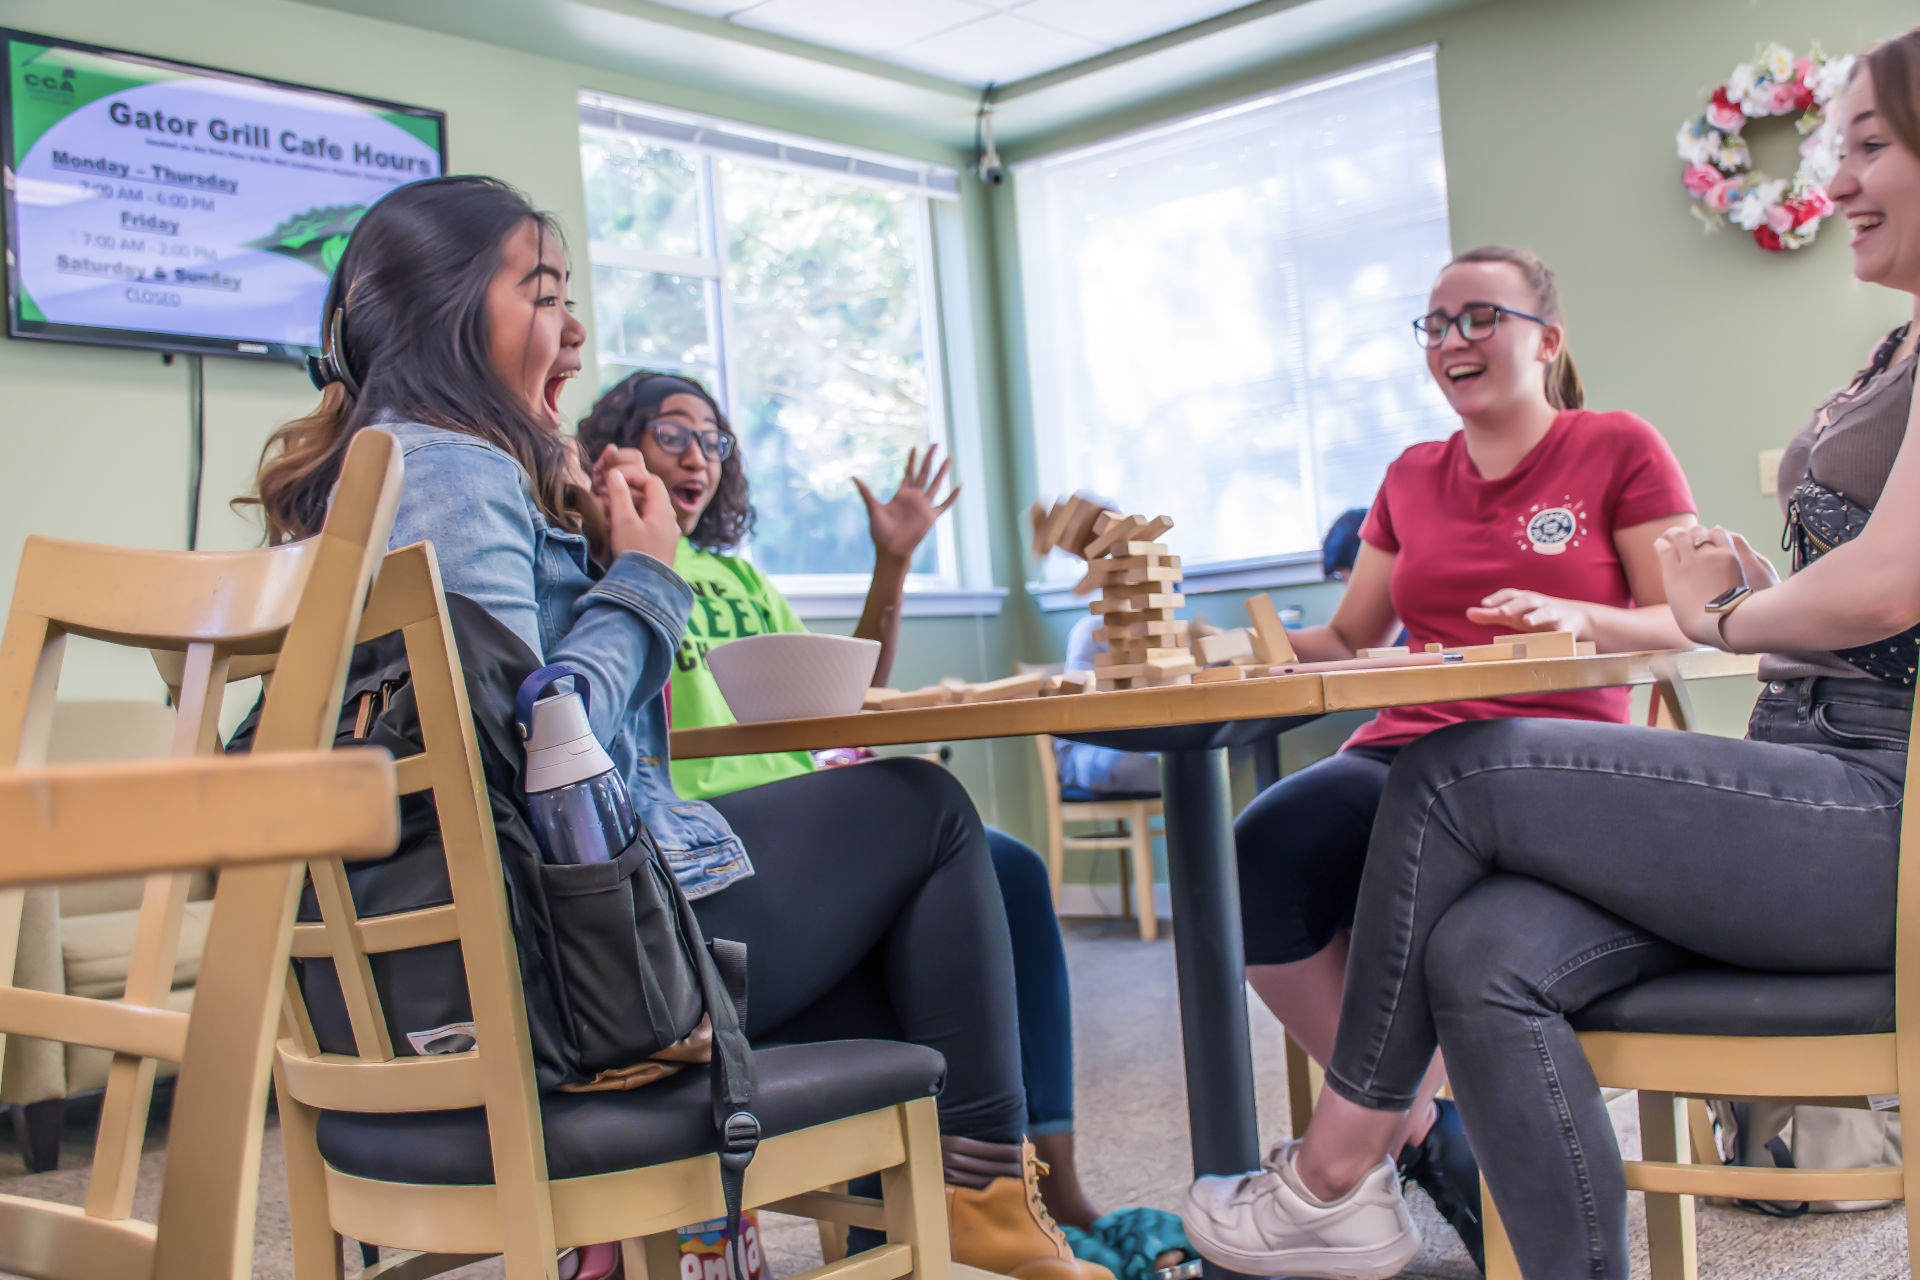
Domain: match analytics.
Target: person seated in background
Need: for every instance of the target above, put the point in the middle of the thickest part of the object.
(671, 427)
(1533, 493)
(1523, 869)
(1107, 771)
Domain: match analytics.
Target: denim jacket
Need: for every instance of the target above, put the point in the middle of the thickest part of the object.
(475, 505)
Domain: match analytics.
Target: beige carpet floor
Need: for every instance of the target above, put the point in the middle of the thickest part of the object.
(1133, 1144)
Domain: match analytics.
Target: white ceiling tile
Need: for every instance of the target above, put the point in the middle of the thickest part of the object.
(997, 49)
(1115, 23)
(860, 26)
(717, 8)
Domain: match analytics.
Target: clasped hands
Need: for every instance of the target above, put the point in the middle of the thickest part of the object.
(1699, 564)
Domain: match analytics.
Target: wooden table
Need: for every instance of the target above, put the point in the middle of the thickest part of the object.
(1189, 725)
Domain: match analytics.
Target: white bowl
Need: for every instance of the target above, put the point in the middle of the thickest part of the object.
(791, 675)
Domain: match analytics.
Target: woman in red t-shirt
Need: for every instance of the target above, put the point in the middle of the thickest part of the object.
(1536, 515)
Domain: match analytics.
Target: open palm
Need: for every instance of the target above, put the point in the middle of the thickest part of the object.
(901, 523)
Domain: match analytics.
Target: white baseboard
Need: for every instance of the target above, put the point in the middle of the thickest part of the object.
(1104, 900)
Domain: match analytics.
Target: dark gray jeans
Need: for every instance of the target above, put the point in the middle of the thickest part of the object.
(1520, 869)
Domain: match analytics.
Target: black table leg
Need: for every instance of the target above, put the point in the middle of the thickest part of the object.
(1210, 962)
(1266, 762)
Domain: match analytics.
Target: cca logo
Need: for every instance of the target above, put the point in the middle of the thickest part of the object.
(47, 82)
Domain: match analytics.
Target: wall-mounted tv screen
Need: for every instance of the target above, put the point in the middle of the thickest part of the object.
(156, 204)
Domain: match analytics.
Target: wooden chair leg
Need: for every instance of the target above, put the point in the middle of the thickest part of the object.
(1700, 1132)
(38, 1126)
(1672, 1251)
(316, 1246)
(915, 1196)
(1126, 885)
(833, 1235)
(1141, 853)
(1501, 1264)
(1302, 1073)
(661, 1253)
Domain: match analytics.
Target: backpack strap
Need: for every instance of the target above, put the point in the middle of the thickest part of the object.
(731, 1073)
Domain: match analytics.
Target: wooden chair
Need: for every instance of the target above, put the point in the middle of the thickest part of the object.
(1132, 819)
(1826, 1039)
(454, 1156)
(255, 816)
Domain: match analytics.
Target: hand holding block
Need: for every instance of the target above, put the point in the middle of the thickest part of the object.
(1228, 646)
(1269, 637)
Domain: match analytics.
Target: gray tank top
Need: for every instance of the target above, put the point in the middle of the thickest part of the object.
(1849, 447)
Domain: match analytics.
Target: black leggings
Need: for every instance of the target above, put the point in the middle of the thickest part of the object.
(873, 912)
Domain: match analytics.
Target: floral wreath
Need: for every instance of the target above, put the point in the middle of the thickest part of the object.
(1781, 213)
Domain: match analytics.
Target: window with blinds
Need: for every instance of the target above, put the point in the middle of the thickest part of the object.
(1218, 310)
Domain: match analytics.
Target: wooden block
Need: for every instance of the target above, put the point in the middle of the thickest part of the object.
(1155, 529)
(1125, 630)
(1214, 675)
(1068, 682)
(1085, 586)
(1021, 686)
(1135, 569)
(876, 698)
(931, 696)
(1362, 664)
(1056, 526)
(1384, 651)
(1269, 637)
(1228, 646)
(1110, 684)
(1037, 519)
(1139, 603)
(1543, 644)
(1436, 647)
(1585, 649)
(1117, 531)
(1200, 626)
(1122, 671)
(1079, 528)
(1165, 668)
(1489, 652)
(1137, 548)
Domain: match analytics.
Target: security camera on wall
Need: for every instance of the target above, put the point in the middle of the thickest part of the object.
(991, 171)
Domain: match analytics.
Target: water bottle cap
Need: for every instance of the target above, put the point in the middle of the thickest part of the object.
(561, 748)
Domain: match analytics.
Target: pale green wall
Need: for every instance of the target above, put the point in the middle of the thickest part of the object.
(97, 439)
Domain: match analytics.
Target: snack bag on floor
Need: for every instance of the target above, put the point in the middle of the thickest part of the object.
(703, 1249)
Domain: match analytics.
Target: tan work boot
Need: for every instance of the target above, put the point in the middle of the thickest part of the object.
(997, 1219)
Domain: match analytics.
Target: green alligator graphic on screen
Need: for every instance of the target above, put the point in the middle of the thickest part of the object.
(317, 237)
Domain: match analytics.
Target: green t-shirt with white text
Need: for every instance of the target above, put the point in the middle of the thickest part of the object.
(731, 599)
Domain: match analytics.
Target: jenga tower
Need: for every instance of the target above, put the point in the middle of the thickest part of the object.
(1139, 584)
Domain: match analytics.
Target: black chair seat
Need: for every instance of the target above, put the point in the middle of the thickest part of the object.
(798, 1086)
(1717, 1001)
(1083, 795)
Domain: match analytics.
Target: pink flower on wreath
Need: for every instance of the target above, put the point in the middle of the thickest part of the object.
(1700, 178)
(1769, 239)
(1788, 97)
(1781, 217)
(1803, 70)
(1721, 196)
(1816, 202)
(1721, 111)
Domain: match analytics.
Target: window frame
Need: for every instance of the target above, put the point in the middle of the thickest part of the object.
(962, 585)
(1050, 586)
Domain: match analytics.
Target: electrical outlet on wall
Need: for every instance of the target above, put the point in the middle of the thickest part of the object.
(1770, 472)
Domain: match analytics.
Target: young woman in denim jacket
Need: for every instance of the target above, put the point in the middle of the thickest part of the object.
(447, 325)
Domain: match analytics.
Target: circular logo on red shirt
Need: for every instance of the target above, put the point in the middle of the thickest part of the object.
(1550, 530)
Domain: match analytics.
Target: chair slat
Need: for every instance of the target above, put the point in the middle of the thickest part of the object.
(101, 1024)
(341, 1082)
(40, 1239)
(1752, 1067)
(1663, 1176)
(413, 772)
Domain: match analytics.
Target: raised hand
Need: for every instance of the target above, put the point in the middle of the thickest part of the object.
(639, 516)
(902, 522)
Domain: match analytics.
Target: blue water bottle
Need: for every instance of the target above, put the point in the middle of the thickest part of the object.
(580, 807)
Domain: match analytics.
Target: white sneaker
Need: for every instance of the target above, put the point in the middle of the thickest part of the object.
(1267, 1224)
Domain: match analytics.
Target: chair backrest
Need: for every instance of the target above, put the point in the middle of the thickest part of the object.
(303, 600)
(498, 1072)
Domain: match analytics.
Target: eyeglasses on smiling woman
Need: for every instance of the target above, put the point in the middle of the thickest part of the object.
(675, 438)
(1476, 323)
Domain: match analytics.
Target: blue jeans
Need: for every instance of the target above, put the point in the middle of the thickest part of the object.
(1041, 993)
(1522, 869)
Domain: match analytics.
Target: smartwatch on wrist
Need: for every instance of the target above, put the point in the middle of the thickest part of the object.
(1723, 604)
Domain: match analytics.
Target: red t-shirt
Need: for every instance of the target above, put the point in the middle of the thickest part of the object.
(1546, 526)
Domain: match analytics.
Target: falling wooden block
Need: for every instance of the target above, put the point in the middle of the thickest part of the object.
(1049, 537)
(1269, 637)
(1154, 529)
(1228, 646)
(1068, 682)
(1543, 644)
(876, 699)
(1214, 675)
(1120, 530)
(1037, 516)
(1079, 527)
(1384, 651)
(1021, 686)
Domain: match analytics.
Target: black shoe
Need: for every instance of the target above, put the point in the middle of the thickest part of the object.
(1443, 1164)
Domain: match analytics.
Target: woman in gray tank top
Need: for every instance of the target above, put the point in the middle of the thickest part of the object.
(1522, 869)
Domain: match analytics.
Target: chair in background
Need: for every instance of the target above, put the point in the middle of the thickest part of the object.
(1130, 820)
(78, 938)
(454, 1156)
(291, 799)
(1716, 1032)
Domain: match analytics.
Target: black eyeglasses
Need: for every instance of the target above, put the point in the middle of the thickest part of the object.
(675, 438)
(1476, 322)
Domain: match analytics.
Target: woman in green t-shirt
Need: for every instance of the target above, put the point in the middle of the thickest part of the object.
(676, 430)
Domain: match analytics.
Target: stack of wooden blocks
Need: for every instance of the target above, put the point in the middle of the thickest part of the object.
(1139, 584)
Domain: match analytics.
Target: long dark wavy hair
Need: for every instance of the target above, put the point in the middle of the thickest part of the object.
(624, 412)
(412, 341)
